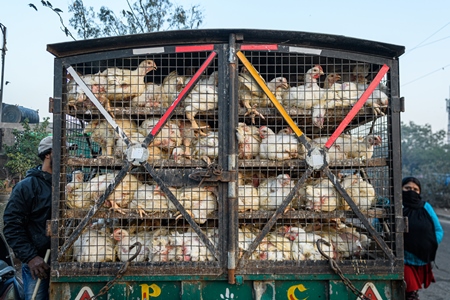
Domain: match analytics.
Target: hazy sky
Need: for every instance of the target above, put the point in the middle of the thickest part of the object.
(423, 27)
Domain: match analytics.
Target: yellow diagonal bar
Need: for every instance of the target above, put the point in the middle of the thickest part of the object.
(269, 94)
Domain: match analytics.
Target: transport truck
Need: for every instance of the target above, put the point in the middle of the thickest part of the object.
(226, 164)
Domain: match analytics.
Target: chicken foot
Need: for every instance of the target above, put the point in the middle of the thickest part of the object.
(194, 124)
(252, 112)
(116, 208)
(179, 215)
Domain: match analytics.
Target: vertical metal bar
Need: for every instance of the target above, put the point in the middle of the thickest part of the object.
(232, 160)
(56, 164)
(224, 109)
(3, 29)
(395, 163)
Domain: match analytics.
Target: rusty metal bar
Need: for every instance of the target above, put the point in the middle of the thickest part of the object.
(232, 196)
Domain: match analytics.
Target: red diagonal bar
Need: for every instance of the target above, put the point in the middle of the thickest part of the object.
(358, 105)
(183, 93)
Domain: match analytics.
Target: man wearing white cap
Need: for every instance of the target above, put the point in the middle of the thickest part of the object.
(25, 218)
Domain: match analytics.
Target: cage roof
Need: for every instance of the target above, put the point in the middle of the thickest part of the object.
(215, 36)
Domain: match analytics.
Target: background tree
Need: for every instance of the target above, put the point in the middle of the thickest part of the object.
(140, 16)
(22, 155)
(426, 155)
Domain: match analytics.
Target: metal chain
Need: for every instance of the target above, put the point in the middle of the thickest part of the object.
(338, 271)
(121, 272)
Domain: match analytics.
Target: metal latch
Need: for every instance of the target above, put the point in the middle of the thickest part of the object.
(213, 173)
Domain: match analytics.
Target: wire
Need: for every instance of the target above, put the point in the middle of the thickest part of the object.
(427, 38)
(432, 72)
(444, 38)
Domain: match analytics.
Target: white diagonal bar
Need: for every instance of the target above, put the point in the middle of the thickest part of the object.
(97, 103)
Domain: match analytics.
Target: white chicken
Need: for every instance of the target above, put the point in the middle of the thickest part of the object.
(270, 248)
(322, 196)
(103, 134)
(245, 239)
(248, 196)
(272, 191)
(125, 241)
(97, 83)
(248, 141)
(273, 248)
(199, 202)
(349, 92)
(77, 191)
(331, 82)
(377, 99)
(192, 247)
(206, 147)
(151, 97)
(347, 241)
(307, 95)
(304, 245)
(252, 95)
(334, 152)
(203, 97)
(301, 149)
(188, 135)
(277, 146)
(167, 138)
(97, 185)
(163, 248)
(121, 196)
(93, 246)
(360, 147)
(125, 83)
(361, 192)
(149, 199)
(171, 87)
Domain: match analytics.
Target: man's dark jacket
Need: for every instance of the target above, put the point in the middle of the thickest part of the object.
(26, 215)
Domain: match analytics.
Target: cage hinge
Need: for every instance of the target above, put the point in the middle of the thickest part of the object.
(52, 228)
(402, 224)
(50, 105)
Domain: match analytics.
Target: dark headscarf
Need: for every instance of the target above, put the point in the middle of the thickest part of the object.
(412, 179)
(411, 198)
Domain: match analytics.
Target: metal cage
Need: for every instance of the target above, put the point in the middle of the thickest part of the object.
(227, 155)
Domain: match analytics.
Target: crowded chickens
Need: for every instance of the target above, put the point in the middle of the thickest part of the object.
(271, 159)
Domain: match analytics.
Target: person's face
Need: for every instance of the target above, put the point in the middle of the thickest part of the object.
(411, 186)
